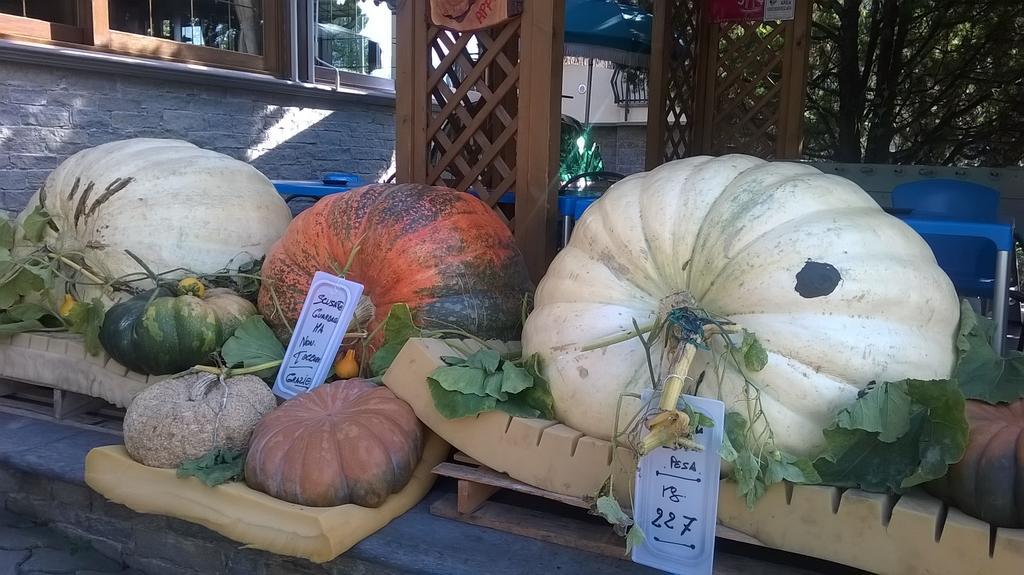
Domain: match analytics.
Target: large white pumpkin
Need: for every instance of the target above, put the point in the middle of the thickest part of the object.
(170, 202)
(839, 292)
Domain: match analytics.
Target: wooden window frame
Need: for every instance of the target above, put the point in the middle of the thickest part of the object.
(274, 21)
(326, 75)
(94, 32)
(21, 27)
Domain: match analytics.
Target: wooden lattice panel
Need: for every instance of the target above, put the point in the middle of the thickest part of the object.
(680, 81)
(473, 79)
(719, 88)
(748, 85)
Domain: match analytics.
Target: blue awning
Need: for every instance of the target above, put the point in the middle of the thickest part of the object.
(607, 30)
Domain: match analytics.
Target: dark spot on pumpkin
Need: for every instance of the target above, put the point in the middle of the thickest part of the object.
(817, 279)
(584, 372)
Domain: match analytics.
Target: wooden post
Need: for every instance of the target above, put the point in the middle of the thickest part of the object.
(540, 104)
(411, 96)
(705, 85)
(789, 143)
(657, 94)
(96, 22)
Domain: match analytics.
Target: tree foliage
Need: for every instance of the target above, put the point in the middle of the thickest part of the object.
(917, 81)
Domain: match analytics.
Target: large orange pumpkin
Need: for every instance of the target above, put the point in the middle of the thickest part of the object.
(345, 442)
(988, 483)
(442, 252)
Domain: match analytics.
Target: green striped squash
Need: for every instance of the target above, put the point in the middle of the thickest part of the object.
(157, 333)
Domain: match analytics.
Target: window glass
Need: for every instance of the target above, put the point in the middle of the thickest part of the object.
(355, 36)
(235, 25)
(57, 11)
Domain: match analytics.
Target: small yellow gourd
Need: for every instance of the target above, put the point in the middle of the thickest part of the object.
(346, 367)
(67, 306)
(191, 286)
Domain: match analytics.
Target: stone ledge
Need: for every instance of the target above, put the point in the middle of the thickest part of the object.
(41, 477)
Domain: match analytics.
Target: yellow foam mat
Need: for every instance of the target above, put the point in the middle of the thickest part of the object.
(540, 452)
(910, 535)
(914, 534)
(249, 516)
(59, 360)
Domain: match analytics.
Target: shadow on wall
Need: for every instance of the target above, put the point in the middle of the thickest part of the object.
(48, 114)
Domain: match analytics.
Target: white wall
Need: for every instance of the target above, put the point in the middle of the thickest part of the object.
(603, 109)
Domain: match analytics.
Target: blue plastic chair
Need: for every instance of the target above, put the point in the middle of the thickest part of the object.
(969, 262)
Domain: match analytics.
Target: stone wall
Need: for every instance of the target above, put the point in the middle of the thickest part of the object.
(150, 544)
(49, 113)
(622, 147)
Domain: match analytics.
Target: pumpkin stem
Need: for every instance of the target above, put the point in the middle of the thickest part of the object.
(149, 271)
(202, 386)
(365, 311)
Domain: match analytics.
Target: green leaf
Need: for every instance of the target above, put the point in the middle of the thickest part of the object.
(608, 507)
(538, 396)
(28, 311)
(453, 405)
(634, 537)
(492, 386)
(884, 408)
(945, 433)
(517, 407)
(20, 326)
(453, 360)
(252, 344)
(90, 329)
(755, 357)
(6, 234)
(515, 379)
(981, 373)
(793, 470)
(460, 378)
(747, 469)
(24, 282)
(486, 359)
(34, 224)
(216, 467)
(735, 432)
(398, 328)
(934, 436)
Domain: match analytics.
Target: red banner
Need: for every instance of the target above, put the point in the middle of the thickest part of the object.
(751, 10)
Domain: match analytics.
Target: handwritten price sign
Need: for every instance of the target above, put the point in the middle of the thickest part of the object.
(677, 500)
(323, 321)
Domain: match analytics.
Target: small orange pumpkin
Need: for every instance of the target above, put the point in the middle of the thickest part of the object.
(345, 442)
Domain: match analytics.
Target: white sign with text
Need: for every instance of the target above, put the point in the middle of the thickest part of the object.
(676, 499)
(323, 321)
(779, 9)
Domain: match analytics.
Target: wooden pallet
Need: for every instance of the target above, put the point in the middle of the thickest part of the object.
(66, 407)
(571, 527)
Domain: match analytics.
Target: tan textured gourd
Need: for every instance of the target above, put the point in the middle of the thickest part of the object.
(186, 417)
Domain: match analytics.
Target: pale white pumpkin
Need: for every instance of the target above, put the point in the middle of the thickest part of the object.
(839, 292)
(170, 202)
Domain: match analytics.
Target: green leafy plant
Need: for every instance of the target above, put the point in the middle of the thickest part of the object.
(485, 381)
(254, 346)
(981, 372)
(30, 274)
(578, 153)
(216, 467)
(398, 329)
(895, 436)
